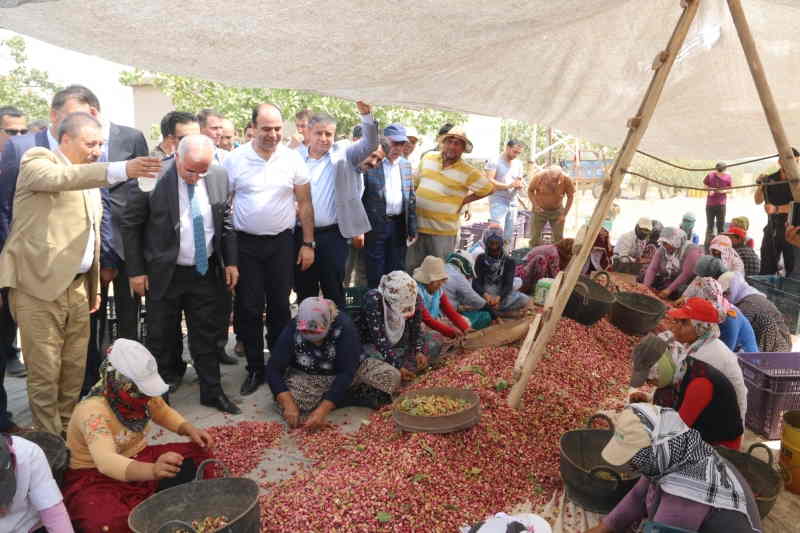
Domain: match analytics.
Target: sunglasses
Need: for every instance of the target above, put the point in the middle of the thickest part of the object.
(11, 131)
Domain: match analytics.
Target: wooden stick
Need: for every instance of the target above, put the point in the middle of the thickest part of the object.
(765, 95)
(637, 127)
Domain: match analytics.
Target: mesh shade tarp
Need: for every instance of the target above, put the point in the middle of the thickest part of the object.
(579, 65)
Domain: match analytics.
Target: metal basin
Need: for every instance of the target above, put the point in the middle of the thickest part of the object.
(439, 424)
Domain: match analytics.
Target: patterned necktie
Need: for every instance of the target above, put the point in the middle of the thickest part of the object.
(198, 228)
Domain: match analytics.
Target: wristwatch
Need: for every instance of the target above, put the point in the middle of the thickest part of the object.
(311, 244)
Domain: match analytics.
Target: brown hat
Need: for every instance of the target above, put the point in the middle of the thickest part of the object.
(459, 133)
(432, 269)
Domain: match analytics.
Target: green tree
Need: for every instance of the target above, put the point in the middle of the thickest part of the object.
(22, 86)
(193, 94)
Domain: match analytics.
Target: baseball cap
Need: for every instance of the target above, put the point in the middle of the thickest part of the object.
(8, 478)
(629, 437)
(137, 364)
(395, 132)
(696, 309)
(645, 355)
(739, 232)
(645, 223)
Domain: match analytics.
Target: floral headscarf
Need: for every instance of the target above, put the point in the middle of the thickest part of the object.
(399, 292)
(710, 289)
(731, 259)
(127, 402)
(671, 262)
(314, 318)
(462, 263)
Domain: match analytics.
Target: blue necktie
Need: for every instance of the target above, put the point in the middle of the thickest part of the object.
(198, 228)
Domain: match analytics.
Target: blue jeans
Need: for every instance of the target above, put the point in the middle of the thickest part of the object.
(385, 250)
(502, 212)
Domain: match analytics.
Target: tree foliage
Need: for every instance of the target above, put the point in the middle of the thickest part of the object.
(193, 94)
(22, 86)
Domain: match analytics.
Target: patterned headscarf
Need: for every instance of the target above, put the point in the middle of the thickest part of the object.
(314, 318)
(681, 463)
(710, 289)
(399, 292)
(731, 259)
(564, 247)
(495, 265)
(687, 224)
(671, 262)
(463, 264)
(123, 396)
(710, 266)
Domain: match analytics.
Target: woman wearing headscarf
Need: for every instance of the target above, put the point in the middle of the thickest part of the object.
(494, 276)
(769, 325)
(721, 247)
(696, 374)
(735, 330)
(687, 225)
(391, 326)
(673, 264)
(600, 256)
(316, 360)
(743, 223)
(458, 288)
(112, 469)
(684, 482)
(544, 261)
(440, 318)
(709, 266)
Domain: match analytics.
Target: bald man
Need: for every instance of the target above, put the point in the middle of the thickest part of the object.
(182, 267)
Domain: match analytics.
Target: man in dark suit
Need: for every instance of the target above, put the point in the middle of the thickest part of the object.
(181, 248)
(390, 204)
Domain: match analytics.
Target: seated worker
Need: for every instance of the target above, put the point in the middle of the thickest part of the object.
(721, 247)
(29, 496)
(706, 380)
(544, 261)
(687, 225)
(315, 362)
(630, 246)
(600, 257)
(735, 330)
(744, 224)
(709, 266)
(769, 325)
(749, 257)
(390, 324)
(459, 291)
(440, 318)
(684, 482)
(494, 277)
(111, 468)
(672, 267)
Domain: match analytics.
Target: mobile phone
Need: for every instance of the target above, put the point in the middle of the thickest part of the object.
(794, 214)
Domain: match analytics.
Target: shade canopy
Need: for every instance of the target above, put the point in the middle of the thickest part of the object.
(578, 65)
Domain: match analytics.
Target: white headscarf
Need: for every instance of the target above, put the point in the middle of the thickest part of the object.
(671, 262)
(399, 292)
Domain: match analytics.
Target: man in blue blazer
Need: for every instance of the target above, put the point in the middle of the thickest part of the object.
(390, 204)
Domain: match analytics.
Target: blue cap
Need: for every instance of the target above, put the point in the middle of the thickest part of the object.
(395, 132)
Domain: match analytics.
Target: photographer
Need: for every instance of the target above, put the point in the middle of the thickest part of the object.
(777, 197)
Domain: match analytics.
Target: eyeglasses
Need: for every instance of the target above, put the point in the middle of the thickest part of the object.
(200, 175)
(12, 131)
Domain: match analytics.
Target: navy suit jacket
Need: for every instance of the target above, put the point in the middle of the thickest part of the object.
(124, 143)
(374, 198)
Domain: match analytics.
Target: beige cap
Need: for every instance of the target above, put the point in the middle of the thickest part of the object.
(137, 364)
(432, 269)
(629, 437)
(459, 133)
(645, 223)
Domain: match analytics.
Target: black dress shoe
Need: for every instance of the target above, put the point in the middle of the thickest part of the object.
(252, 382)
(15, 368)
(222, 403)
(226, 359)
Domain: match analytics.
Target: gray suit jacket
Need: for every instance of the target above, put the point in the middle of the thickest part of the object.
(350, 212)
(151, 227)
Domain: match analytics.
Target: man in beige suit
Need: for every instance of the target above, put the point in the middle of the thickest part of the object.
(51, 260)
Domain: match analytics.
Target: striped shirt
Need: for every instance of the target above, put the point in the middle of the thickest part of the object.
(441, 192)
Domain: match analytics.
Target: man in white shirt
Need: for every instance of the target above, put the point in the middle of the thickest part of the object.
(505, 172)
(51, 261)
(336, 188)
(267, 179)
(181, 251)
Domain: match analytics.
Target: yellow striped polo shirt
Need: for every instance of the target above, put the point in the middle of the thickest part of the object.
(441, 191)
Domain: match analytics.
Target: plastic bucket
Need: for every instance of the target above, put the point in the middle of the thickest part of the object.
(541, 290)
(790, 450)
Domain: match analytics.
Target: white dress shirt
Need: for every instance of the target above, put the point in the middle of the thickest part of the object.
(186, 238)
(393, 185)
(323, 189)
(263, 191)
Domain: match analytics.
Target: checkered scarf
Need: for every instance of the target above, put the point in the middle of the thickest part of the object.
(684, 465)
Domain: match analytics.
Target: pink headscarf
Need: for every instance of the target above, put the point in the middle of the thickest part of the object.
(710, 289)
(729, 257)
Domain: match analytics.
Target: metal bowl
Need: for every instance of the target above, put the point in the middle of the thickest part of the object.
(439, 424)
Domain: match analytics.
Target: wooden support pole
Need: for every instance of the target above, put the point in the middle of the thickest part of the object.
(765, 95)
(637, 127)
